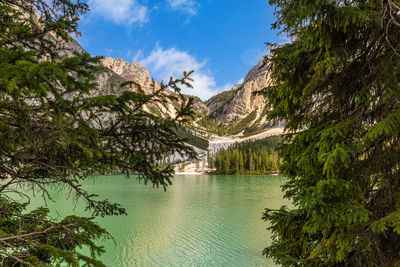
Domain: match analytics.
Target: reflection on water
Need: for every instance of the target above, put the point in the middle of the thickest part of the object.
(199, 221)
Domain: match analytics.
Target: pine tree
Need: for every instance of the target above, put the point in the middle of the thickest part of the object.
(219, 164)
(336, 85)
(259, 163)
(251, 161)
(250, 157)
(53, 132)
(236, 162)
(227, 163)
(241, 163)
(212, 159)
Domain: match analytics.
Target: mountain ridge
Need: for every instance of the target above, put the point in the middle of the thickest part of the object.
(237, 109)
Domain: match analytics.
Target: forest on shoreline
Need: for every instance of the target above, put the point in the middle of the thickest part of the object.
(247, 158)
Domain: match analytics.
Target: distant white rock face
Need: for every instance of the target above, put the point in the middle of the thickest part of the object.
(244, 101)
(120, 71)
(132, 72)
(140, 75)
(240, 104)
(237, 86)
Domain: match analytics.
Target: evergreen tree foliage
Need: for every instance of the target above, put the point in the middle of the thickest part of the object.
(251, 157)
(57, 128)
(337, 89)
(210, 160)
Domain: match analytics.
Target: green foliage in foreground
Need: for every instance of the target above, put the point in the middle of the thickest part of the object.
(57, 128)
(337, 89)
(50, 242)
(251, 157)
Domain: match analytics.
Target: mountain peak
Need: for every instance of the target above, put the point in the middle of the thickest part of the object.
(120, 66)
(131, 72)
(241, 101)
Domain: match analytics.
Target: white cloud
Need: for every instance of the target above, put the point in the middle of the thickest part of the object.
(120, 11)
(189, 6)
(163, 64)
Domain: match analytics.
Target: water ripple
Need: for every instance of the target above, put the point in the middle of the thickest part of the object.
(199, 221)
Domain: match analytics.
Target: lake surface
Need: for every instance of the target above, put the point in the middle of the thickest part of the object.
(199, 221)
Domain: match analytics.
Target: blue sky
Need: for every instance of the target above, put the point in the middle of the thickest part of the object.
(220, 39)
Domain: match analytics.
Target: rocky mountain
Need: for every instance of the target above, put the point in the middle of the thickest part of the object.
(234, 105)
(237, 108)
(217, 102)
(132, 72)
(118, 71)
(63, 48)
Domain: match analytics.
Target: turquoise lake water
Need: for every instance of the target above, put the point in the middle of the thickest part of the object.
(199, 221)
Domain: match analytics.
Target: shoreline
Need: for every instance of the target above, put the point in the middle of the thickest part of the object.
(207, 173)
(191, 173)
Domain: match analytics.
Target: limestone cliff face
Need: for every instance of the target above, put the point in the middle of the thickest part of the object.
(115, 72)
(229, 106)
(132, 72)
(62, 47)
(242, 101)
(201, 107)
(217, 102)
(119, 71)
(69, 47)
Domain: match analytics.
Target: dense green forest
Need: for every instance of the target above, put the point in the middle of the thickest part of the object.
(252, 157)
